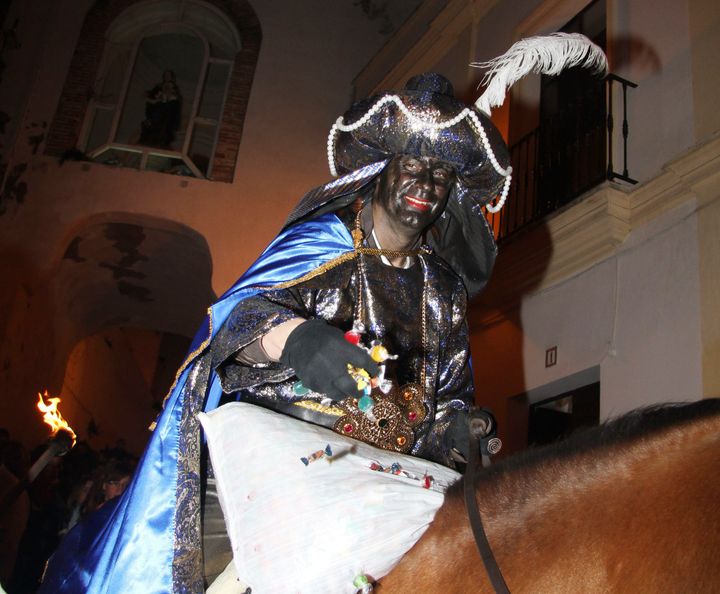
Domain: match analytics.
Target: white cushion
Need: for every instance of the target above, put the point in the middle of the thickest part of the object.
(312, 528)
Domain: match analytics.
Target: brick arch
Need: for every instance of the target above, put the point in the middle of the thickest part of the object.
(65, 128)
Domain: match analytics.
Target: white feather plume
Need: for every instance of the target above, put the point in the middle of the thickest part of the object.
(548, 54)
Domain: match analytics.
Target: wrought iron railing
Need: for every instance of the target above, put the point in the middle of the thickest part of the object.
(564, 158)
(624, 85)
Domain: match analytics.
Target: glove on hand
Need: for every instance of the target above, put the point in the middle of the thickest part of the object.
(457, 434)
(319, 354)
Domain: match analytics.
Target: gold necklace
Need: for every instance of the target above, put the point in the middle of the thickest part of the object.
(396, 412)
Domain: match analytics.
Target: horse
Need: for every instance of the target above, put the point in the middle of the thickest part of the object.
(629, 506)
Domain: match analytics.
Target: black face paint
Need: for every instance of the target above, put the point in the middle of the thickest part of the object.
(413, 191)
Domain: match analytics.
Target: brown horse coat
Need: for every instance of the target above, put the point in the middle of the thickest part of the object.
(632, 506)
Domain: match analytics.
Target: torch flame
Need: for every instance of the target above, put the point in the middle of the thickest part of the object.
(52, 416)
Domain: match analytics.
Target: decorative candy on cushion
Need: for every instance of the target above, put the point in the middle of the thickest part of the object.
(320, 354)
(330, 526)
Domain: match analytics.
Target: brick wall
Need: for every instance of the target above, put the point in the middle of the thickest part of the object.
(65, 128)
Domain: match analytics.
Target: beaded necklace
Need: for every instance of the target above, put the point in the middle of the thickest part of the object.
(386, 414)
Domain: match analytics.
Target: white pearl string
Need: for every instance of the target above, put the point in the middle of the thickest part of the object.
(429, 125)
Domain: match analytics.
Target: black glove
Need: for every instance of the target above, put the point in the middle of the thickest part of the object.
(319, 354)
(457, 434)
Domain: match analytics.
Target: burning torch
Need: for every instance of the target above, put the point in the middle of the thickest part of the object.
(62, 439)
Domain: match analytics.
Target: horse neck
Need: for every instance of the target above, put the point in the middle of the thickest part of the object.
(584, 519)
(598, 485)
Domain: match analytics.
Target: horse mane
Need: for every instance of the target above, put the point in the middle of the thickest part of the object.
(634, 427)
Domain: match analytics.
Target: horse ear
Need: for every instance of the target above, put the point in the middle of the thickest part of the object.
(548, 54)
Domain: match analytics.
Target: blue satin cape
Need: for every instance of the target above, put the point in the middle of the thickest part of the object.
(128, 546)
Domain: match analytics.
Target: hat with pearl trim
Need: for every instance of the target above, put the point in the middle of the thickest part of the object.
(426, 120)
(423, 120)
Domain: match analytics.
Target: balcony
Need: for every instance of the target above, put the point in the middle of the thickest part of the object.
(569, 153)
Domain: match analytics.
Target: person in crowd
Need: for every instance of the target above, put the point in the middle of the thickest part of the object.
(15, 508)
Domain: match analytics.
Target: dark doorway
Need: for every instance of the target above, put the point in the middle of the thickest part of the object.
(557, 417)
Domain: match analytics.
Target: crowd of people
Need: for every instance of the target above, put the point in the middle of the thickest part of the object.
(35, 515)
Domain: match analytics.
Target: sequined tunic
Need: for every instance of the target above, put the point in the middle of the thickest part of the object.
(393, 303)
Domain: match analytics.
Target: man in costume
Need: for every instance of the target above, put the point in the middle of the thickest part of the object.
(353, 318)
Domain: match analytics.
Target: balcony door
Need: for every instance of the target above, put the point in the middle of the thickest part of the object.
(572, 131)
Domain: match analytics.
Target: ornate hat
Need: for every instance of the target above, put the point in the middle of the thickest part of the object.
(426, 120)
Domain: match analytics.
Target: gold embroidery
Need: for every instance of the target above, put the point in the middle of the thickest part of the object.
(321, 408)
(187, 361)
(346, 257)
(322, 269)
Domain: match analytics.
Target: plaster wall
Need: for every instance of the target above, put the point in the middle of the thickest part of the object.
(709, 245)
(707, 188)
(653, 50)
(45, 34)
(454, 66)
(636, 315)
(310, 51)
(657, 347)
(704, 17)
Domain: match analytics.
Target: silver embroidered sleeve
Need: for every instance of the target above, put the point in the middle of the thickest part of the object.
(455, 393)
(250, 320)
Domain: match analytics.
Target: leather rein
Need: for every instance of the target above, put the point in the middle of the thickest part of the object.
(482, 435)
